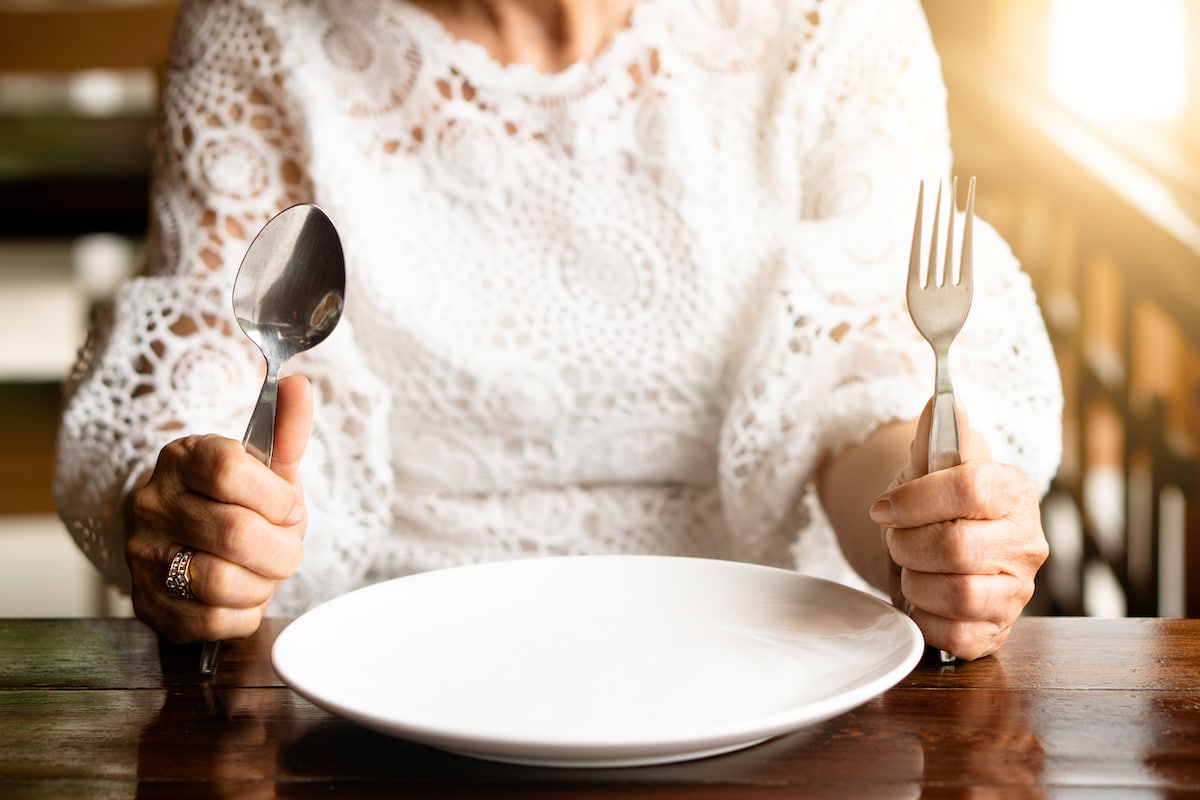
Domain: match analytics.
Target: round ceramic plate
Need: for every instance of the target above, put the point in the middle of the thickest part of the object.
(596, 660)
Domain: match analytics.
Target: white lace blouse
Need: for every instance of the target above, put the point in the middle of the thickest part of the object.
(621, 308)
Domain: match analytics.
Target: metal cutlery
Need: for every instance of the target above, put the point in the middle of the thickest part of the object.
(287, 298)
(939, 306)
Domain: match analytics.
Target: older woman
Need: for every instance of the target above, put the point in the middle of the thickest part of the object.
(623, 277)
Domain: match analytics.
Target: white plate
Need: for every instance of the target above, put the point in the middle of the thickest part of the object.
(596, 660)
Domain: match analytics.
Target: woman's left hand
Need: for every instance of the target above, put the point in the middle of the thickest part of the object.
(965, 544)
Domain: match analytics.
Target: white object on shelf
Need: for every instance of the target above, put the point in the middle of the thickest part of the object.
(46, 291)
(42, 327)
(100, 261)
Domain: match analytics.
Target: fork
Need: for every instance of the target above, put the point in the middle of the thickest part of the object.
(938, 309)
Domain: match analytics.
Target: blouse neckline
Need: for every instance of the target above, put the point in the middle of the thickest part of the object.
(473, 59)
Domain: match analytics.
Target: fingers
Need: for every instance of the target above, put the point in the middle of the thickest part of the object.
(966, 543)
(978, 598)
(976, 489)
(196, 469)
(967, 615)
(966, 597)
(227, 601)
(233, 533)
(969, 547)
(244, 522)
(247, 529)
(217, 582)
(182, 620)
(966, 640)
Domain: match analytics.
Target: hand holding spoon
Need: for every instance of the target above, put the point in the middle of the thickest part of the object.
(287, 298)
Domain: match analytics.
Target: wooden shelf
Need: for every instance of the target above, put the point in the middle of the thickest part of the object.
(67, 35)
(28, 427)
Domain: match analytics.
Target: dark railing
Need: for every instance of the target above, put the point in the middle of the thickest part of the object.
(1108, 228)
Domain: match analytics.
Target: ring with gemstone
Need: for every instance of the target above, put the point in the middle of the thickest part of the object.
(178, 579)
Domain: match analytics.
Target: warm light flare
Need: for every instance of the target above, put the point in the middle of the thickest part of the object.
(1119, 60)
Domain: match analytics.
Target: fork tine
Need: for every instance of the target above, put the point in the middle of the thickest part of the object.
(931, 278)
(948, 261)
(914, 259)
(965, 267)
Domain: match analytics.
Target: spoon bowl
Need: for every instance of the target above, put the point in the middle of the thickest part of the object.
(287, 297)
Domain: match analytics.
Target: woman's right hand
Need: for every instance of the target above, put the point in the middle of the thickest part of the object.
(244, 521)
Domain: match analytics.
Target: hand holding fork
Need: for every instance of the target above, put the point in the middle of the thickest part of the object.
(965, 543)
(939, 308)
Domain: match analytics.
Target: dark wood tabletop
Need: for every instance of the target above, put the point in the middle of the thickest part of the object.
(1070, 707)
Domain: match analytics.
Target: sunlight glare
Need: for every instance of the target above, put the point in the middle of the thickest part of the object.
(1115, 59)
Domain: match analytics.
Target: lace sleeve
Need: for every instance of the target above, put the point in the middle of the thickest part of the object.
(837, 354)
(165, 359)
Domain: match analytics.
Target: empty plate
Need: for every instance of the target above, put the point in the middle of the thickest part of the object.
(590, 661)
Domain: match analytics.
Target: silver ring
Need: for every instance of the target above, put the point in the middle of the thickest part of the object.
(179, 582)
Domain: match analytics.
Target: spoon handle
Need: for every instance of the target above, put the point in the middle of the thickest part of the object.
(260, 433)
(259, 441)
(208, 658)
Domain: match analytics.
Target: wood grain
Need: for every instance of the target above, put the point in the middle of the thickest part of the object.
(1073, 707)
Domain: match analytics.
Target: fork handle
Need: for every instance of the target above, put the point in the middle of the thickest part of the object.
(943, 432)
(944, 450)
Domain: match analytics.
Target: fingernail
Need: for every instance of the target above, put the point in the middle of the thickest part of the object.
(881, 511)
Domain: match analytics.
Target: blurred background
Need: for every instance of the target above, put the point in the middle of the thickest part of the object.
(1076, 116)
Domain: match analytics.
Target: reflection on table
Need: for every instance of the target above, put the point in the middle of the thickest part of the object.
(1095, 708)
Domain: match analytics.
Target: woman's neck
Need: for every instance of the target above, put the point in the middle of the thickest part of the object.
(549, 34)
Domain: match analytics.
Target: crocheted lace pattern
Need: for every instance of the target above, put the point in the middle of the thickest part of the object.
(625, 307)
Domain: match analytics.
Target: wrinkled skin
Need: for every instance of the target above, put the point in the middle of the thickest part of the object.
(245, 521)
(964, 545)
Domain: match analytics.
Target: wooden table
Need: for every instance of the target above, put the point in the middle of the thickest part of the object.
(1070, 708)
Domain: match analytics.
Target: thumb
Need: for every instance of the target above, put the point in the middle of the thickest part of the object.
(969, 444)
(919, 450)
(293, 423)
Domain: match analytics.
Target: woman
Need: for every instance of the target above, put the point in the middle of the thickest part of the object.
(622, 278)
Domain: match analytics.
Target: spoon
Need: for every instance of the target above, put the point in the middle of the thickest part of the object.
(287, 298)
